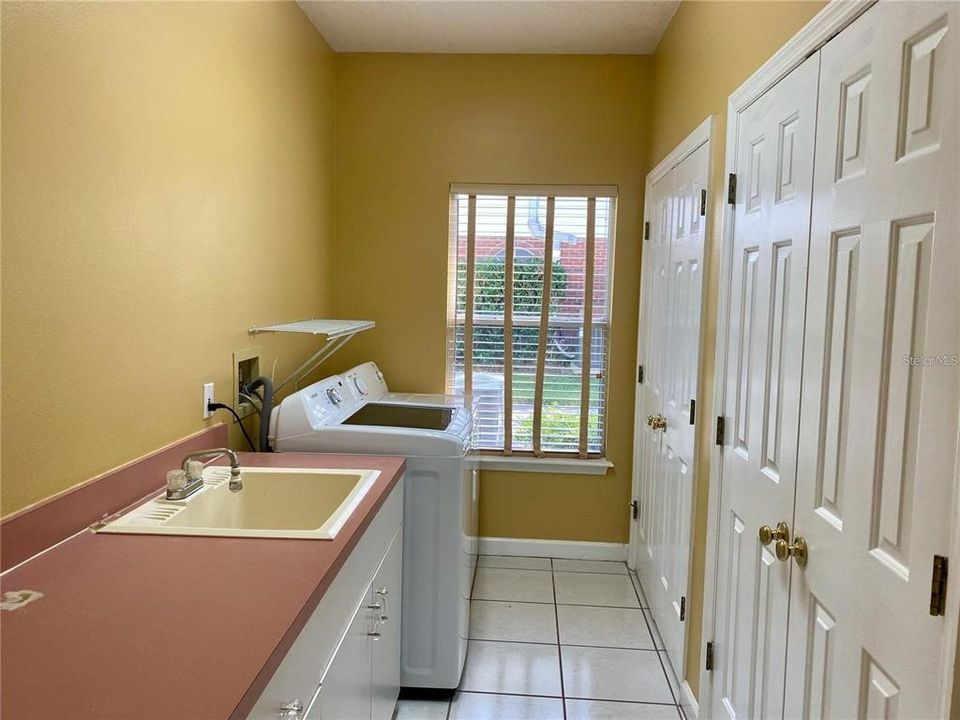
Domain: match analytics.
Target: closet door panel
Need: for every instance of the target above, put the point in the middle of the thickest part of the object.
(677, 444)
(881, 389)
(656, 269)
(774, 166)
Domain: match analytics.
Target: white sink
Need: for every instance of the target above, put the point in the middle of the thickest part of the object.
(305, 503)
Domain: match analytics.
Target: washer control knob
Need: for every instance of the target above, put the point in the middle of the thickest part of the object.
(334, 396)
(360, 384)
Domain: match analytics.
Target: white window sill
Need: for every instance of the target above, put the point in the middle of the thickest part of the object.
(567, 466)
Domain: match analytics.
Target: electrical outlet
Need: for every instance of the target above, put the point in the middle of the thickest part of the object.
(207, 399)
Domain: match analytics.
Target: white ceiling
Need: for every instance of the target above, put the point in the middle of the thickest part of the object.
(492, 26)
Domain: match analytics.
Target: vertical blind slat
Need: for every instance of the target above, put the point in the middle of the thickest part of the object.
(544, 329)
(508, 329)
(468, 310)
(585, 356)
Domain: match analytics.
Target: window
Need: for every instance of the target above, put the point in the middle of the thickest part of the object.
(525, 263)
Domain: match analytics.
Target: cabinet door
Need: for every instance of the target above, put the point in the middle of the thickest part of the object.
(385, 591)
(345, 687)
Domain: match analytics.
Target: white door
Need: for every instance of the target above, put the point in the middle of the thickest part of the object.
(774, 166)
(651, 354)
(682, 340)
(670, 340)
(878, 435)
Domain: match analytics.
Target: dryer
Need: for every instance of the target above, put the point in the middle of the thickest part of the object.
(356, 413)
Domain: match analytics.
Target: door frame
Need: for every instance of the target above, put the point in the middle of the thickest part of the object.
(837, 15)
(701, 135)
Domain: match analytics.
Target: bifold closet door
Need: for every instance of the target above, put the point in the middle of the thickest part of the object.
(878, 438)
(670, 341)
(682, 341)
(656, 261)
(764, 341)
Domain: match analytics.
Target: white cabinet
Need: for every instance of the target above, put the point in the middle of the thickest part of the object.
(345, 687)
(345, 664)
(385, 666)
(363, 679)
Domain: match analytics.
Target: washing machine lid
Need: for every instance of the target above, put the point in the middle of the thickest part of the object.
(330, 416)
(402, 415)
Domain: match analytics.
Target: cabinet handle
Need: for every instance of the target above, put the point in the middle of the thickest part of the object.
(383, 592)
(291, 710)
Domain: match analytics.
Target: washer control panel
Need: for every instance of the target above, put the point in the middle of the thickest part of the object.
(366, 381)
(328, 401)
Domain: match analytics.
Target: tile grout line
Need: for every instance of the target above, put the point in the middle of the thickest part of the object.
(555, 697)
(646, 619)
(635, 582)
(559, 604)
(556, 620)
(540, 602)
(568, 572)
(581, 645)
(473, 588)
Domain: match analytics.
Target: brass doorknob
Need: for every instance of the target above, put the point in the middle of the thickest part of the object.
(768, 535)
(658, 422)
(796, 550)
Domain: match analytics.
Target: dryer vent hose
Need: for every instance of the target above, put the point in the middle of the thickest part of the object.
(266, 408)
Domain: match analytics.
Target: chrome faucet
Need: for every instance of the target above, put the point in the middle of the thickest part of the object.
(195, 479)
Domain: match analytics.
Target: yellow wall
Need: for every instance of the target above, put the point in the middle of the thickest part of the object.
(408, 126)
(167, 182)
(707, 51)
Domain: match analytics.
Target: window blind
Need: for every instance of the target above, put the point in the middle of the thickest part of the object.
(529, 314)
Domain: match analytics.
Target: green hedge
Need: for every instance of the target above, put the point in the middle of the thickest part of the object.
(490, 297)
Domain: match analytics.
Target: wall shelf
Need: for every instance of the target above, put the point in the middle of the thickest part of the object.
(333, 333)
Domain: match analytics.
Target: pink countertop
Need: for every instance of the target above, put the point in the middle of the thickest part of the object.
(168, 627)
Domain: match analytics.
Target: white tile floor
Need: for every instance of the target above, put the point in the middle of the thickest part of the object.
(557, 640)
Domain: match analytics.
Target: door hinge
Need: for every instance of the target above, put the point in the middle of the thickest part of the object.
(639, 374)
(693, 411)
(703, 201)
(938, 586)
(683, 608)
(634, 509)
(709, 656)
(720, 430)
(732, 189)
(646, 231)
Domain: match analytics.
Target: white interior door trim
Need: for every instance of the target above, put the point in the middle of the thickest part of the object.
(701, 134)
(811, 37)
(827, 23)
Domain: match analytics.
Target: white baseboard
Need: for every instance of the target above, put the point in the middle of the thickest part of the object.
(568, 549)
(687, 701)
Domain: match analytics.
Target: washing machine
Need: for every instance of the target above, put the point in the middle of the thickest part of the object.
(356, 413)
